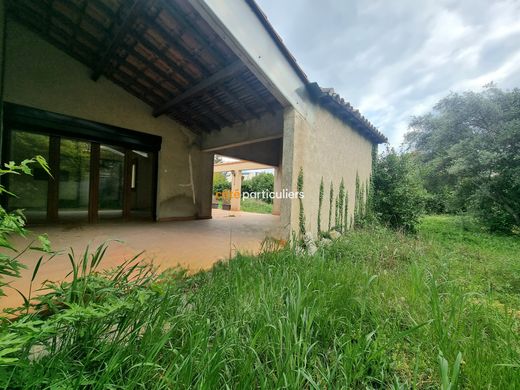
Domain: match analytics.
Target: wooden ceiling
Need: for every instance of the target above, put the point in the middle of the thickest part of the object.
(161, 51)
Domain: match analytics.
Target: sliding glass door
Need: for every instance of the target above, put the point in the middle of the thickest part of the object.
(111, 182)
(74, 180)
(91, 181)
(31, 191)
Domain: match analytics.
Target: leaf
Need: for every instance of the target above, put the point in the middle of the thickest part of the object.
(36, 268)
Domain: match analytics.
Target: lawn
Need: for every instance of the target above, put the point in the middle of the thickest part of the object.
(255, 206)
(374, 309)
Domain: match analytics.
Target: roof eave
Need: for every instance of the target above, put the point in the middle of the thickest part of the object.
(346, 113)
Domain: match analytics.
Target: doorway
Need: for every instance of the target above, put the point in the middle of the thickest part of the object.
(90, 181)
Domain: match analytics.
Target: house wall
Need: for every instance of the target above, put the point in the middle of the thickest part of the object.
(39, 75)
(323, 146)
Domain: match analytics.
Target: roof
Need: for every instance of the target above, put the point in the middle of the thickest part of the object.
(164, 53)
(161, 51)
(325, 96)
(343, 109)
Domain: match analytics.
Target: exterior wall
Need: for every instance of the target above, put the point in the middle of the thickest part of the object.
(324, 146)
(41, 76)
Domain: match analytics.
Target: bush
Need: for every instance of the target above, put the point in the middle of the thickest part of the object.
(13, 223)
(220, 183)
(259, 183)
(399, 195)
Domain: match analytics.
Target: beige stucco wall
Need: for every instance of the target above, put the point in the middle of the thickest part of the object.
(41, 76)
(324, 146)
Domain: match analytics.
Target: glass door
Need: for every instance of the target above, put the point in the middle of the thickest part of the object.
(141, 173)
(31, 191)
(74, 180)
(90, 182)
(111, 182)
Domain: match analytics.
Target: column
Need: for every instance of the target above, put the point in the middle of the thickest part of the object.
(236, 186)
(277, 188)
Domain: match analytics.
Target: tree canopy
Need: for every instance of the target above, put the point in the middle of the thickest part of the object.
(468, 149)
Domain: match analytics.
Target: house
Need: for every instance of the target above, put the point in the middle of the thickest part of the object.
(129, 100)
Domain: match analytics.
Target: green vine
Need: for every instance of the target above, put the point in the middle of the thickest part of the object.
(301, 216)
(341, 201)
(345, 218)
(320, 203)
(331, 200)
(357, 204)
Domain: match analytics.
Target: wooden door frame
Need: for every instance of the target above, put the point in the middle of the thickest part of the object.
(58, 126)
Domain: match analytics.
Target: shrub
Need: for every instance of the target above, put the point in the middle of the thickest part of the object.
(14, 223)
(259, 183)
(398, 192)
(220, 183)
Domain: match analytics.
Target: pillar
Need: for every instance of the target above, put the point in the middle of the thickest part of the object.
(203, 183)
(236, 187)
(277, 188)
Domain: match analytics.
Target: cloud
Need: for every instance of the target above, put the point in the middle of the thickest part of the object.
(396, 59)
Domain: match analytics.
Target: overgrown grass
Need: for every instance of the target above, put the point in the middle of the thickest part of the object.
(255, 206)
(375, 309)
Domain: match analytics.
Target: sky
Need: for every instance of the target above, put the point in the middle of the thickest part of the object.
(395, 59)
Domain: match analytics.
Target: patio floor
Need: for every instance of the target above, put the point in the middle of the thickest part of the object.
(194, 245)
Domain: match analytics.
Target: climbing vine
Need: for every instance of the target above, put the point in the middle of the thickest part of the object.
(301, 216)
(341, 201)
(331, 200)
(357, 204)
(320, 203)
(345, 217)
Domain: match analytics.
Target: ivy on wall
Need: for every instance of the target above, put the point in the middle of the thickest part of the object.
(301, 216)
(331, 200)
(320, 203)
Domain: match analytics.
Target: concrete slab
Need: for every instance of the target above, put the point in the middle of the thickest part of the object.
(194, 245)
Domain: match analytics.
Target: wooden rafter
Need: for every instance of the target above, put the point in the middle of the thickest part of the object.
(165, 55)
(120, 32)
(205, 84)
(186, 25)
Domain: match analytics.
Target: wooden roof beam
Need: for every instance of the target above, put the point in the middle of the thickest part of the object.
(205, 84)
(119, 35)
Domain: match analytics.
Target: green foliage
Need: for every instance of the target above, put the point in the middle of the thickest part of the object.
(398, 191)
(357, 205)
(220, 184)
(259, 183)
(301, 215)
(345, 217)
(340, 206)
(13, 223)
(372, 310)
(468, 153)
(447, 382)
(331, 200)
(320, 203)
(255, 206)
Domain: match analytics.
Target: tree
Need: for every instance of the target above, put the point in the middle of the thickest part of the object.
(263, 182)
(220, 183)
(468, 148)
(398, 193)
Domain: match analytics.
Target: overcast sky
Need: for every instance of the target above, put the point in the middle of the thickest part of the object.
(394, 59)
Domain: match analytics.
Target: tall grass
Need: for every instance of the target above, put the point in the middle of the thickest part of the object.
(375, 309)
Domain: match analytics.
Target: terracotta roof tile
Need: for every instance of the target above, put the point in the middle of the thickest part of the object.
(340, 107)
